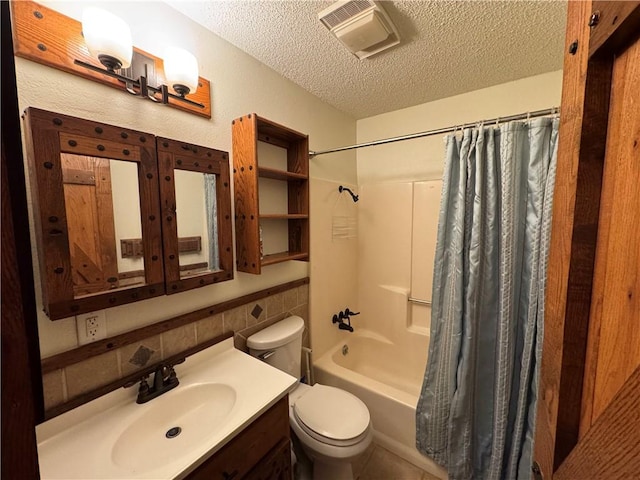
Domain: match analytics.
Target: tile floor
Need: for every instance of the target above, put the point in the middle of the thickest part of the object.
(378, 463)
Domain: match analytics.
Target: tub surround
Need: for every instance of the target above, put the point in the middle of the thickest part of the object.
(387, 378)
(92, 434)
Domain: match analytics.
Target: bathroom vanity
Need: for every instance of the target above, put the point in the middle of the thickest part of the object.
(228, 419)
(260, 451)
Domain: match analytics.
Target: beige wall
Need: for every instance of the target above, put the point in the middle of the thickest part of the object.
(240, 84)
(400, 186)
(334, 268)
(422, 159)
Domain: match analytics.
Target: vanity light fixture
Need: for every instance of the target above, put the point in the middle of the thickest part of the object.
(108, 39)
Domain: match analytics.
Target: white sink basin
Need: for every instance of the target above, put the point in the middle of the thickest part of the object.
(173, 425)
(221, 391)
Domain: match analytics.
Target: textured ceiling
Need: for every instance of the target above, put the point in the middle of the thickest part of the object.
(447, 47)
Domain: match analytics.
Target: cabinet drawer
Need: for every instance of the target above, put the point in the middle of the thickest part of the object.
(241, 454)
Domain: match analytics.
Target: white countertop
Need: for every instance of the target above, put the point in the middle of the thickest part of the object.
(79, 444)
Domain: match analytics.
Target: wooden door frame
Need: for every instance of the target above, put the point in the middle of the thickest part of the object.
(22, 404)
(583, 132)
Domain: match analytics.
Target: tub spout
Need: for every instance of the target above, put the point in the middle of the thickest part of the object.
(345, 326)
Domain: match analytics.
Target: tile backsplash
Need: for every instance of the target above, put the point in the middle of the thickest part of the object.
(64, 384)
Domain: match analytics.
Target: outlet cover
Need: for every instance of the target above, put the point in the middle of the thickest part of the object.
(91, 326)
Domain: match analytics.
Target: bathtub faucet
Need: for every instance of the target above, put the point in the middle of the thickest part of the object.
(342, 316)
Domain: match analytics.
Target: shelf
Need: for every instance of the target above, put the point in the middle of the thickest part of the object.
(283, 257)
(247, 132)
(283, 216)
(280, 174)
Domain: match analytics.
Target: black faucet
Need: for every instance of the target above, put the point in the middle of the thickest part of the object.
(342, 316)
(164, 379)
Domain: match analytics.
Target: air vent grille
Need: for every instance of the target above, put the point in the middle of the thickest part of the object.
(345, 12)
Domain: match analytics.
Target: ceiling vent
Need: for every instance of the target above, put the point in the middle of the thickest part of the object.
(361, 25)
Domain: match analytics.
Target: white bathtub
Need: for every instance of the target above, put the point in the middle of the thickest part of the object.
(388, 380)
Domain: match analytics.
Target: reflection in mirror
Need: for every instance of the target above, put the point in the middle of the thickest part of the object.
(196, 215)
(102, 205)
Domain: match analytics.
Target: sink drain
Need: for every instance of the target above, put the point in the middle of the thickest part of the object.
(173, 432)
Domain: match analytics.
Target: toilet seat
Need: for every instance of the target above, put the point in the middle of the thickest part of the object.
(332, 416)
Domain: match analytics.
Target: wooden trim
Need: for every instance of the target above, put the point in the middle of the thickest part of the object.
(98, 147)
(276, 174)
(21, 387)
(44, 133)
(618, 22)
(611, 445)
(586, 216)
(244, 135)
(562, 233)
(246, 132)
(613, 351)
(132, 247)
(175, 155)
(571, 331)
(279, 257)
(284, 216)
(84, 352)
(133, 378)
(61, 38)
(140, 273)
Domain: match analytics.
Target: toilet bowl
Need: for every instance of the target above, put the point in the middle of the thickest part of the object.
(332, 425)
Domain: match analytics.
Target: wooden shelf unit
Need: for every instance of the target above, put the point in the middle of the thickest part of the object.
(247, 131)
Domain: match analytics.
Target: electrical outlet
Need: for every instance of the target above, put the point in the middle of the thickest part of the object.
(91, 326)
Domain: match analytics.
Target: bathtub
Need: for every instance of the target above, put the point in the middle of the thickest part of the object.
(388, 380)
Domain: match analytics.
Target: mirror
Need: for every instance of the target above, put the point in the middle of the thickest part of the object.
(197, 222)
(97, 213)
(196, 204)
(102, 206)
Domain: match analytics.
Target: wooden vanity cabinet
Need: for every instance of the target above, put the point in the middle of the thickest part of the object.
(260, 452)
(248, 168)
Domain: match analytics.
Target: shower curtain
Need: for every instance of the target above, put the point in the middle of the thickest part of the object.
(211, 208)
(476, 411)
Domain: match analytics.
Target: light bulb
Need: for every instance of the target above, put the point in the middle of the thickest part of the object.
(108, 38)
(181, 70)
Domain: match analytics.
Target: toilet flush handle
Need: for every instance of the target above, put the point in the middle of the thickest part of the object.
(265, 355)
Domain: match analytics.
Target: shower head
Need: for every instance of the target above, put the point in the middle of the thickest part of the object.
(353, 195)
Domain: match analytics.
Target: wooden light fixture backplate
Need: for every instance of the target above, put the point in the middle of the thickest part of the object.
(50, 38)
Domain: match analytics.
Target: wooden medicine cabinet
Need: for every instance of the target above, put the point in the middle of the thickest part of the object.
(100, 221)
(196, 204)
(271, 183)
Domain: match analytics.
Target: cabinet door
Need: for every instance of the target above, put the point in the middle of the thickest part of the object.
(587, 422)
(93, 187)
(195, 195)
(237, 458)
(276, 465)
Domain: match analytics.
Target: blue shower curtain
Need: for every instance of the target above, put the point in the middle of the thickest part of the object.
(211, 207)
(476, 411)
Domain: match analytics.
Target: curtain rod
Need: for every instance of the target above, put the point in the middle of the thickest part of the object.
(439, 131)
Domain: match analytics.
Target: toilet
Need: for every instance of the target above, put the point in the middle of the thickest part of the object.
(333, 426)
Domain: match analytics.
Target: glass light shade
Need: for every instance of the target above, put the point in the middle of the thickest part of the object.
(107, 36)
(180, 69)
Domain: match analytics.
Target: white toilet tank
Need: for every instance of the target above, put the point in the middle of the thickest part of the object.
(280, 345)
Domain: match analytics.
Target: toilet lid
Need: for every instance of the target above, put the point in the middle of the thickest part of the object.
(332, 413)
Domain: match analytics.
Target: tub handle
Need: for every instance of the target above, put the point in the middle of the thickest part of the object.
(265, 355)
